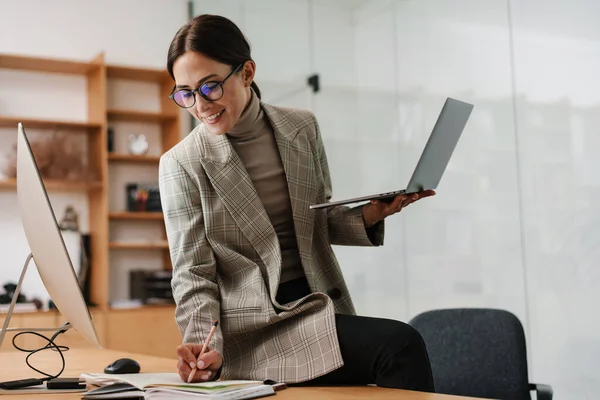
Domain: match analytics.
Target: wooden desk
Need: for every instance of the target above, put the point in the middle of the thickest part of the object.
(78, 361)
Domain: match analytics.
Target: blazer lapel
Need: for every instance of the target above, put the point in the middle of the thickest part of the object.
(234, 187)
(297, 159)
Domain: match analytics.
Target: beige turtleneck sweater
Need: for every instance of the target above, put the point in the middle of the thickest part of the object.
(253, 140)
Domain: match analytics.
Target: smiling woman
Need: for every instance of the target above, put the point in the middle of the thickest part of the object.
(202, 58)
(246, 248)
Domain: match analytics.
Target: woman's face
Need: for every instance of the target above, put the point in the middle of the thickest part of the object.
(192, 69)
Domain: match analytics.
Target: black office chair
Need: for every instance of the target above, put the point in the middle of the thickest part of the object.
(478, 352)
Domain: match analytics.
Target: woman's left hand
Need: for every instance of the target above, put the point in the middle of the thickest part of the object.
(377, 210)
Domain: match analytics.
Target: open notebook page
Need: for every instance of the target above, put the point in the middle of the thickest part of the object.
(167, 379)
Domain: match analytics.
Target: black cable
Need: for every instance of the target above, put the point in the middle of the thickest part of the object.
(50, 345)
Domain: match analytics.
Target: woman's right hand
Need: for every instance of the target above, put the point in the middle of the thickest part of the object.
(207, 365)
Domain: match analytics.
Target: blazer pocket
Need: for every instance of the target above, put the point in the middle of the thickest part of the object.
(241, 310)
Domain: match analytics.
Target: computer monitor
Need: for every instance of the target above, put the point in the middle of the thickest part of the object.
(47, 245)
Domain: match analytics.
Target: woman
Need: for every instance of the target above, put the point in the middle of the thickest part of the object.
(247, 250)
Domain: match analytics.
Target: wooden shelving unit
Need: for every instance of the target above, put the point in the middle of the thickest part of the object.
(97, 74)
(160, 333)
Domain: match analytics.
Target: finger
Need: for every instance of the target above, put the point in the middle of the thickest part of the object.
(183, 367)
(426, 193)
(206, 375)
(401, 199)
(397, 200)
(422, 195)
(183, 376)
(210, 360)
(202, 376)
(409, 199)
(185, 352)
(396, 209)
(394, 206)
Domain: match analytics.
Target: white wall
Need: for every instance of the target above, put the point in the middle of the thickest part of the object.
(132, 32)
(557, 59)
(515, 221)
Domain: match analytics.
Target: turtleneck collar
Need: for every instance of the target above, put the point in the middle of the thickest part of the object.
(251, 122)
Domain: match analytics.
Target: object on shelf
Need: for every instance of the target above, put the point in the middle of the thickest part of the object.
(110, 137)
(86, 262)
(57, 156)
(22, 304)
(151, 286)
(138, 144)
(153, 202)
(70, 220)
(143, 197)
(9, 288)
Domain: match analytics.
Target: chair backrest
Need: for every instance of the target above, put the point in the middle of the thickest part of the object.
(476, 352)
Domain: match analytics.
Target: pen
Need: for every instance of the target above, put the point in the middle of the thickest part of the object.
(210, 335)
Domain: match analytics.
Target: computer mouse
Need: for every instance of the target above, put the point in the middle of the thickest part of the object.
(123, 366)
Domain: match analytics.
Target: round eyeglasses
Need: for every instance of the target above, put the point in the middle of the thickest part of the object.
(210, 91)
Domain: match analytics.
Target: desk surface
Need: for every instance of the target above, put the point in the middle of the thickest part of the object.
(78, 361)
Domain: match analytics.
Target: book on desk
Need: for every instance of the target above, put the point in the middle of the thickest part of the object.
(160, 386)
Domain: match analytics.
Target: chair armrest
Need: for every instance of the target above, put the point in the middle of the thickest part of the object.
(544, 392)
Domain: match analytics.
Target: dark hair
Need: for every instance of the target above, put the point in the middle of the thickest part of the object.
(215, 37)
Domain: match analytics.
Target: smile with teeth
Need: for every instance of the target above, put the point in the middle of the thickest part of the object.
(214, 116)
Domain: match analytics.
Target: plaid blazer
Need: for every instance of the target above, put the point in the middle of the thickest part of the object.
(227, 261)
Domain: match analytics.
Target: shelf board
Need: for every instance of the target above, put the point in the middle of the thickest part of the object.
(11, 61)
(136, 74)
(139, 246)
(137, 215)
(47, 123)
(8, 184)
(55, 186)
(138, 116)
(128, 158)
(143, 307)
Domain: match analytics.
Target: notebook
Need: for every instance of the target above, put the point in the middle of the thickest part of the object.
(160, 386)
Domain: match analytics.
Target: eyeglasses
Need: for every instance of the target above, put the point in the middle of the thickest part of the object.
(211, 91)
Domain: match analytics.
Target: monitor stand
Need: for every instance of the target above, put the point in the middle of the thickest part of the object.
(66, 326)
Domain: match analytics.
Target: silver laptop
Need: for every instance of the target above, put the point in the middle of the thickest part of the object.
(435, 156)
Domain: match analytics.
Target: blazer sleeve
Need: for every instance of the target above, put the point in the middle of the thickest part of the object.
(194, 284)
(346, 225)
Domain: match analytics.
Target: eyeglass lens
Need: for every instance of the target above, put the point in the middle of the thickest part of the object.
(209, 90)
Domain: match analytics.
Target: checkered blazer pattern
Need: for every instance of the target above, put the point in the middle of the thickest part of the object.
(227, 261)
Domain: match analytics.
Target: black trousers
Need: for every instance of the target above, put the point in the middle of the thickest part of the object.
(378, 351)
